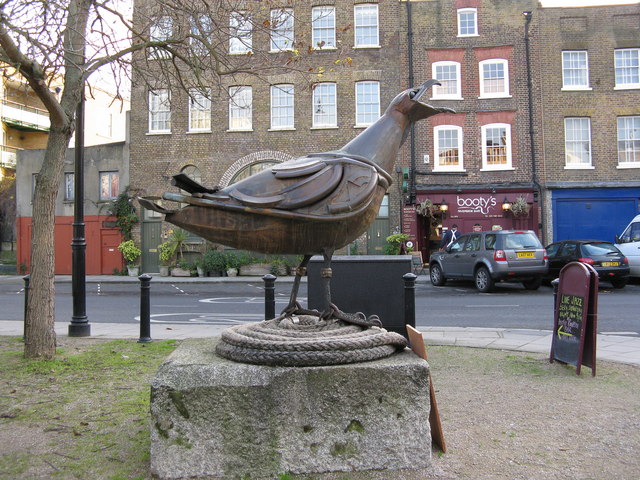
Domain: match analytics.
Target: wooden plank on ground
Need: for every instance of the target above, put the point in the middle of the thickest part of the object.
(417, 345)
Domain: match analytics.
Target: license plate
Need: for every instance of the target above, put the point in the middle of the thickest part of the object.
(526, 254)
(610, 264)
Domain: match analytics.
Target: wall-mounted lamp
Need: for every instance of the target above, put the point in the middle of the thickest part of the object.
(506, 205)
(444, 206)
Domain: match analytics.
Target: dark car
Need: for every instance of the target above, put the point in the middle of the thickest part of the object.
(610, 263)
(490, 257)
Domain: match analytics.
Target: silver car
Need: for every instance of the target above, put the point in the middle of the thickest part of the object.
(490, 257)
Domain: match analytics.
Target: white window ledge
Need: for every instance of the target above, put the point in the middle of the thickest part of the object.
(327, 127)
(579, 167)
(628, 165)
(632, 86)
(285, 129)
(497, 169)
(576, 89)
(159, 133)
(360, 47)
(449, 170)
(192, 132)
(239, 130)
(487, 97)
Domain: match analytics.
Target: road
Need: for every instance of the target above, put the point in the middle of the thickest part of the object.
(456, 304)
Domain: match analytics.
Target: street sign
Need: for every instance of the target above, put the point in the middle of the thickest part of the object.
(575, 317)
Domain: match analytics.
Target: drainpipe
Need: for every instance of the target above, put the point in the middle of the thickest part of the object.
(412, 140)
(532, 144)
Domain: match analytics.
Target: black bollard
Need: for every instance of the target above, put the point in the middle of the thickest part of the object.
(269, 296)
(145, 308)
(555, 284)
(409, 300)
(26, 279)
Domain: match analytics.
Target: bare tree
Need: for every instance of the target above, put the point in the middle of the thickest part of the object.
(182, 43)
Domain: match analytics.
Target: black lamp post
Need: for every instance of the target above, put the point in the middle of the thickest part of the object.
(79, 326)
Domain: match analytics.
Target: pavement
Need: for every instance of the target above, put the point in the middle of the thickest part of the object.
(615, 347)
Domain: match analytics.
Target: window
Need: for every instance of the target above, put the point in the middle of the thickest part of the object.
(577, 142)
(365, 18)
(109, 185)
(383, 211)
(575, 70)
(161, 31)
(201, 29)
(447, 148)
(252, 170)
(628, 141)
(282, 107)
(69, 187)
(496, 146)
(240, 108)
(324, 105)
(323, 24)
(467, 22)
(282, 29)
(240, 39)
(494, 78)
(159, 111)
(473, 243)
(448, 74)
(199, 110)
(627, 66)
(367, 102)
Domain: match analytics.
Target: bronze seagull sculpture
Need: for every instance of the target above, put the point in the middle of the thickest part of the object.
(311, 205)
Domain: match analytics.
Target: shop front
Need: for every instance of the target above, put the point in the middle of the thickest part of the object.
(478, 210)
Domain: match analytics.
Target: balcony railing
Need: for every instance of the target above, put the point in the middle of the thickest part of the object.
(8, 157)
(24, 117)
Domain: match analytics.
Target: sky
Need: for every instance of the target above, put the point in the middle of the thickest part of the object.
(584, 3)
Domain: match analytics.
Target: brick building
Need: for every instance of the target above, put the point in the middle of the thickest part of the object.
(250, 122)
(590, 100)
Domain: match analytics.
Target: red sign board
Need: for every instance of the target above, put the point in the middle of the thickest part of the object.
(575, 317)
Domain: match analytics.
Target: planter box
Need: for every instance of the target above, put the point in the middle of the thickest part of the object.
(255, 269)
(180, 272)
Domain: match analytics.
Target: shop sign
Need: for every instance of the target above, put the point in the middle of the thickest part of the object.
(482, 204)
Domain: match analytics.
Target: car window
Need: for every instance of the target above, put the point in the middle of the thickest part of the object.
(472, 244)
(598, 248)
(490, 241)
(552, 250)
(457, 245)
(521, 240)
(631, 234)
(569, 250)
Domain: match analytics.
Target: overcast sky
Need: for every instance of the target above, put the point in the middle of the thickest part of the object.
(584, 3)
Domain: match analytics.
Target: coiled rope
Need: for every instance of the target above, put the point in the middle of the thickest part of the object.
(306, 340)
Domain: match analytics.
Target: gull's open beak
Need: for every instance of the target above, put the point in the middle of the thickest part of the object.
(422, 89)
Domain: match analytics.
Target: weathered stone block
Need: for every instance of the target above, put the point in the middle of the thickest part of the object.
(221, 419)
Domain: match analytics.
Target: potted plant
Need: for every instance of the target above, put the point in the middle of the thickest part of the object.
(394, 243)
(166, 251)
(131, 253)
(520, 208)
(214, 262)
(232, 264)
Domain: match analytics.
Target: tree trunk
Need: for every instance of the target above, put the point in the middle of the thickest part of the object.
(40, 335)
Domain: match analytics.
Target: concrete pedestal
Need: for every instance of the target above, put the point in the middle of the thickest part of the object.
(221, 419)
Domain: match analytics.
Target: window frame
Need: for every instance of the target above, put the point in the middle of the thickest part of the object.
(505, 93)
(277, 92)
(320, 32)
(463, 11)
(436, 91)
(69, 186)
(437, 167)
(238, 112)
(634, 151)
(198, 27)
(617, 69)
(367, 117)
(568, 68)
(240, 38)
(153, 113)
(110, 175)
(359, 27)
(160, 33)
(196, 92)
(334, 106)
(281, 30)
(567, 152)
(485, 154)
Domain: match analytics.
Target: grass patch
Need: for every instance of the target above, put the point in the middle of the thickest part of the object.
(88, 407)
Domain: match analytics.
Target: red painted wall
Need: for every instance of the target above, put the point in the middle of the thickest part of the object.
(101, 255)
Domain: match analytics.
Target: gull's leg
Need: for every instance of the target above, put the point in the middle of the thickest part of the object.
(293, 305)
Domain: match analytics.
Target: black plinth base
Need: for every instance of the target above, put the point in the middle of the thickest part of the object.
(79, 330)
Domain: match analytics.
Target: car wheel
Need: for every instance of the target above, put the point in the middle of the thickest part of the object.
(437, 278)
(484, 282)
(619, 282)
(532, 284)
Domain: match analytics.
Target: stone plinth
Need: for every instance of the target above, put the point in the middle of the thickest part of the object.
(221, 419)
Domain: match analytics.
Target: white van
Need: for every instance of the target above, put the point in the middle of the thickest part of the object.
(629, 244)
